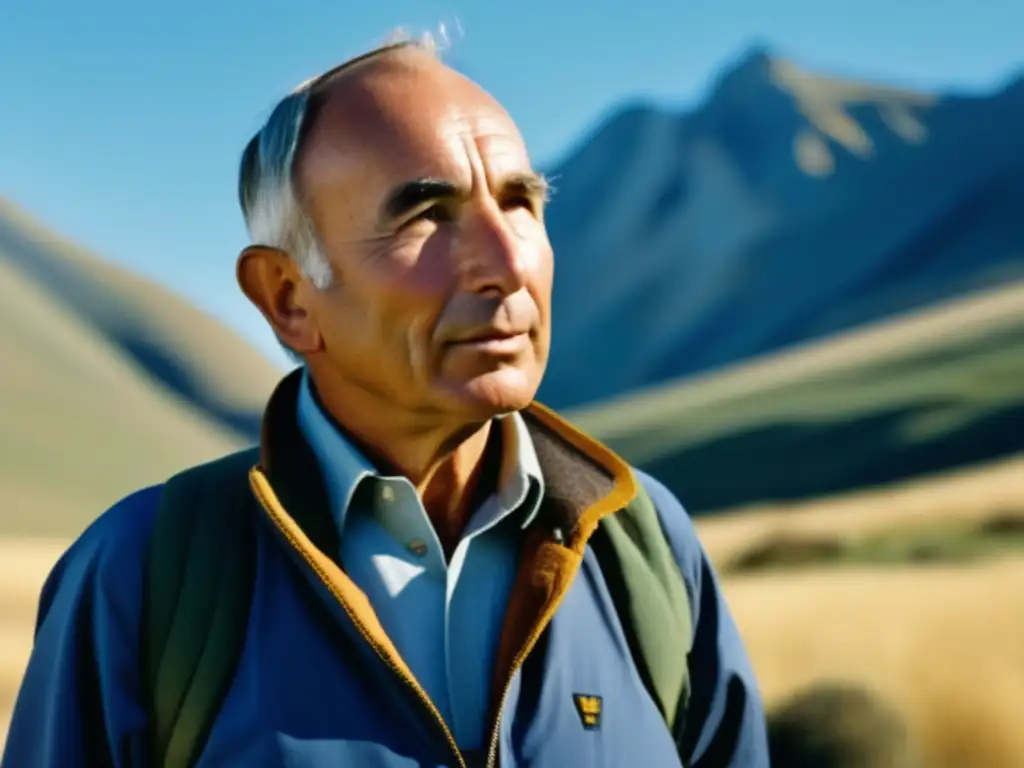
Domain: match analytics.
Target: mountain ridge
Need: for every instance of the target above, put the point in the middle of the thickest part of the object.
(846, 200)
(110, 382)
(140, 317)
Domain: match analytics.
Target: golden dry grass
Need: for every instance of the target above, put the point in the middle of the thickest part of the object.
(23, 567)
(943, 644)
(967, 495)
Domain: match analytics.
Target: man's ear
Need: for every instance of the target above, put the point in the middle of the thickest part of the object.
(271, 281)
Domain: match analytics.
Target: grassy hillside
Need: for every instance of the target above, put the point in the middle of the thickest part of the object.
(109, 383)
(921, 394)
(986, 499)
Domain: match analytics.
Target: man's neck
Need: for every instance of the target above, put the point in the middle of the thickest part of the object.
(452, 466)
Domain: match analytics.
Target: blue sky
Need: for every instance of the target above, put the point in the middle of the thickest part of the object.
(121, 122)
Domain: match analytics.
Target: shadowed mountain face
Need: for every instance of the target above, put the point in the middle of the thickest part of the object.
(785, 208)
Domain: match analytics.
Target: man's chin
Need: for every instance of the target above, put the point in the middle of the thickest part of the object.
(494, 394)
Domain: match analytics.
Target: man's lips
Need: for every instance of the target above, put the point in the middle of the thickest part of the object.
(493, 341)
(489, 335)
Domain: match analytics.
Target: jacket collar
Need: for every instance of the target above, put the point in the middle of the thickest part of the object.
(583, 479)
(345, 466)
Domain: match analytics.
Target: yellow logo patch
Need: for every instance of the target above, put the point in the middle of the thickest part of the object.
(589, 709)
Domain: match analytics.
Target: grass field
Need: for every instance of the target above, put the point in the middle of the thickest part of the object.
(942, 643)
(939, 637)
(965, 498)
(24, 564)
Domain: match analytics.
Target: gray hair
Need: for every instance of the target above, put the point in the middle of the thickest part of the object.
(273, 212)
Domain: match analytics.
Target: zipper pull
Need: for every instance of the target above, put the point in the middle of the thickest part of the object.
(558, 536)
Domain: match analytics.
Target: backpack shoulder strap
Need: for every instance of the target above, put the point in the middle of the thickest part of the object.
(199, 579)
(651, 600)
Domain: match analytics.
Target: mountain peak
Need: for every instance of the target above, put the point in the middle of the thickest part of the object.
(756, 71)
(823, 111)
(757, 61)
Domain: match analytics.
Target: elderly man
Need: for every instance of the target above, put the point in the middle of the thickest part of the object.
(419, 566)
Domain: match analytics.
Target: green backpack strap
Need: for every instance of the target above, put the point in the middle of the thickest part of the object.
(199, 580)
(651, 600)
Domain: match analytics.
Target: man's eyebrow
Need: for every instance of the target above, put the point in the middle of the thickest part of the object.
(413, 194)
(525, 183)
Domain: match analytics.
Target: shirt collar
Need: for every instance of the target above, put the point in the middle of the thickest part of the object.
(344, 467)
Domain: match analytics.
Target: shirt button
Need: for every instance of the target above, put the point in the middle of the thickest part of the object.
(417, 547)
(387, 493)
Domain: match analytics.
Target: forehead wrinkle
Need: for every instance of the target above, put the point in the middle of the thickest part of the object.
(501, 151)
(478, 166)
(388, 121)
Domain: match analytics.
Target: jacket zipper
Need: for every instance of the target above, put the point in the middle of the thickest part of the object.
(517, 662)
(409, 682)
(492, 750)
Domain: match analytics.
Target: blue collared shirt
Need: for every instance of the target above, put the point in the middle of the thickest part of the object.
(445, 618)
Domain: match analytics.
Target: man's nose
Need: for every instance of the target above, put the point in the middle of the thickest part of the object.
(496, 259)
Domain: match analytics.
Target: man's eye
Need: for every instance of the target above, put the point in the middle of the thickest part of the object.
(437, 214)
(519, 201)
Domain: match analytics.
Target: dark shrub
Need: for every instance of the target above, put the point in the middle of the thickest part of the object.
(838, 725)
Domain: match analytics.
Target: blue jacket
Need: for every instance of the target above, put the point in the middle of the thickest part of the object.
(318, 683)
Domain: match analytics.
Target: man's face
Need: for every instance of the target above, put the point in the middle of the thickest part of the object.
(428, 209)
